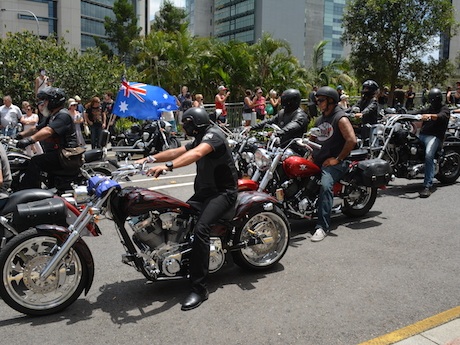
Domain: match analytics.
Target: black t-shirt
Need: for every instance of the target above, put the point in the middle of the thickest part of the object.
(436, 127)
(64, 131)
(107, 107)
(216, 172)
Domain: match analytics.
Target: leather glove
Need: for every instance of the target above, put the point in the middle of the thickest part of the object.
(18, 136)
(23, 143)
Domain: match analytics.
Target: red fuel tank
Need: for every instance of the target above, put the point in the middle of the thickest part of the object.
(295, 166)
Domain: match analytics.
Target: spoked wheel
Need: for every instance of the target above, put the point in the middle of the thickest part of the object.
(268, 228)
(121, 155)
(359, 201)
(449, 169)
(21, 262)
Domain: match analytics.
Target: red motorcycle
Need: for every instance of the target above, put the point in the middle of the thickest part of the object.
(295, 180)
(45, 269)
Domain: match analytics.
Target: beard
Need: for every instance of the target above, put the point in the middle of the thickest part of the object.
(45, 112)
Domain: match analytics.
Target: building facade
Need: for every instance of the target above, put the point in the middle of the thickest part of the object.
(77, 22)
(302, 23)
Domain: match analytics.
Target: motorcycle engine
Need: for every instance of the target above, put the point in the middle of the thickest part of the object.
(163, 237)
(155, 229)
(301, 194)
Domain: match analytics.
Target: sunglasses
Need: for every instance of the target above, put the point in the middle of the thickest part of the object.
(321, 100)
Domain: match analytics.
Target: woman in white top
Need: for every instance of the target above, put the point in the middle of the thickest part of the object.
(30, 120)
(77, 120)
(198, 103)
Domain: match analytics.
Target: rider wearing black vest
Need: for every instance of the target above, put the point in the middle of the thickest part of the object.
(292, 120)
(56, 131)
(337, 139)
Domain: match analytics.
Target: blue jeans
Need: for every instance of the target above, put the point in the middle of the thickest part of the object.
(329, 176)
(432, 144)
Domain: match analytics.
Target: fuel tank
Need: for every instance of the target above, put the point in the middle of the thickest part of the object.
(295, 166)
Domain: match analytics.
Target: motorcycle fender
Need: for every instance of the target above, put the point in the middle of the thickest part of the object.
(247, 200)
(80, 244)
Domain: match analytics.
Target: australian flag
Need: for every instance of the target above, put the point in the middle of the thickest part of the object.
(142, 101)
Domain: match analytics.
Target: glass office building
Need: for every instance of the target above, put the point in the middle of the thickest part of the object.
(78, 22)
(303, 23)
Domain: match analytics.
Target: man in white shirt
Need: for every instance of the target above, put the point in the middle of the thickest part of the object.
(10, 115)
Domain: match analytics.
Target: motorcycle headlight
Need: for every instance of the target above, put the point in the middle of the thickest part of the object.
(231, 143)
(379, 130)
(262, 159)
(248, 156)
(145, 136)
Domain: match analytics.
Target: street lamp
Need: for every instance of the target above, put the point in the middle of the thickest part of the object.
(26, 11)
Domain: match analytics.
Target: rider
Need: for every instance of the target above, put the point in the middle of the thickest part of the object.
(435, 121)
(56, 131)
(368, 108)
(292, 120)
(337, 139)
(215, 189)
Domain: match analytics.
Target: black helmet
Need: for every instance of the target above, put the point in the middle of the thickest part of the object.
(328, 91)
(290, 100)
(435, 97)
(195, 119)
(56, 97)
(371, 87)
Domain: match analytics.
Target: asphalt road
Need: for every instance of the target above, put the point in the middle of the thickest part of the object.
(396, 266)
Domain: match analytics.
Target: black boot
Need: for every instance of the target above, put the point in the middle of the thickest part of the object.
(194, 300)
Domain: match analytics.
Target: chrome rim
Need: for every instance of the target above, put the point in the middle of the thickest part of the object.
(22, 271)
(359, 197)
(273, 231)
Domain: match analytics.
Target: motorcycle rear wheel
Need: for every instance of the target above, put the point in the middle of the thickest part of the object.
(174, 143)
(359, 201)
(21, 262)
(449, 169)
(270, 226)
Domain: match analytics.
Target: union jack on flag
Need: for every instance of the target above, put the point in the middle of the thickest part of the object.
(142, 101)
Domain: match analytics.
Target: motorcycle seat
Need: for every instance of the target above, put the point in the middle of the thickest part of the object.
(357, 155)
(23, 196)
(93, 155)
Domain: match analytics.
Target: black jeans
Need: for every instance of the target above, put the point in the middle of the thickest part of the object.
(48, 162)
(213, 209)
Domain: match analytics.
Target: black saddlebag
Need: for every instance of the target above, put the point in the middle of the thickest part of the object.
(374, 172)
(47, 211)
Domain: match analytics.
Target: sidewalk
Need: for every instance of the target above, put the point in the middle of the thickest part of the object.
(441, 329)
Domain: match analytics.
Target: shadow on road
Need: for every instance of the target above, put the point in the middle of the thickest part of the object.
(130, 301)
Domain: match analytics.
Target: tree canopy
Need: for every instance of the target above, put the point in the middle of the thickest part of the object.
(386, 36)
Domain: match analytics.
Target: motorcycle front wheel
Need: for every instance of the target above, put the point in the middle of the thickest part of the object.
(21, 262)
(121, 155)
(359, 201)
(449, 167)
(272, 229)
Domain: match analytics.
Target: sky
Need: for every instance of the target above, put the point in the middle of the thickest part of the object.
(155, 5)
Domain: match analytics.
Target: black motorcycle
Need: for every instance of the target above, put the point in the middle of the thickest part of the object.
(151, 138)
(96, 163)
(397, 143)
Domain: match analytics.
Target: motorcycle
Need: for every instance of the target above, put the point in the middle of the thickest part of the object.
(155, 137)
(396, 142)
(96, 162)
(27, 208)
(296, 181)
(46, 268)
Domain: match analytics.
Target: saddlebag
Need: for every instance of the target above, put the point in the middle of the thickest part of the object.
(374, 172)
(47, 211)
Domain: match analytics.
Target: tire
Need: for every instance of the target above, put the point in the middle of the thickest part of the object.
(359, 201)
(121, 155)
(174, 143)
(449, 167)
(21, 261)
(275, 226)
